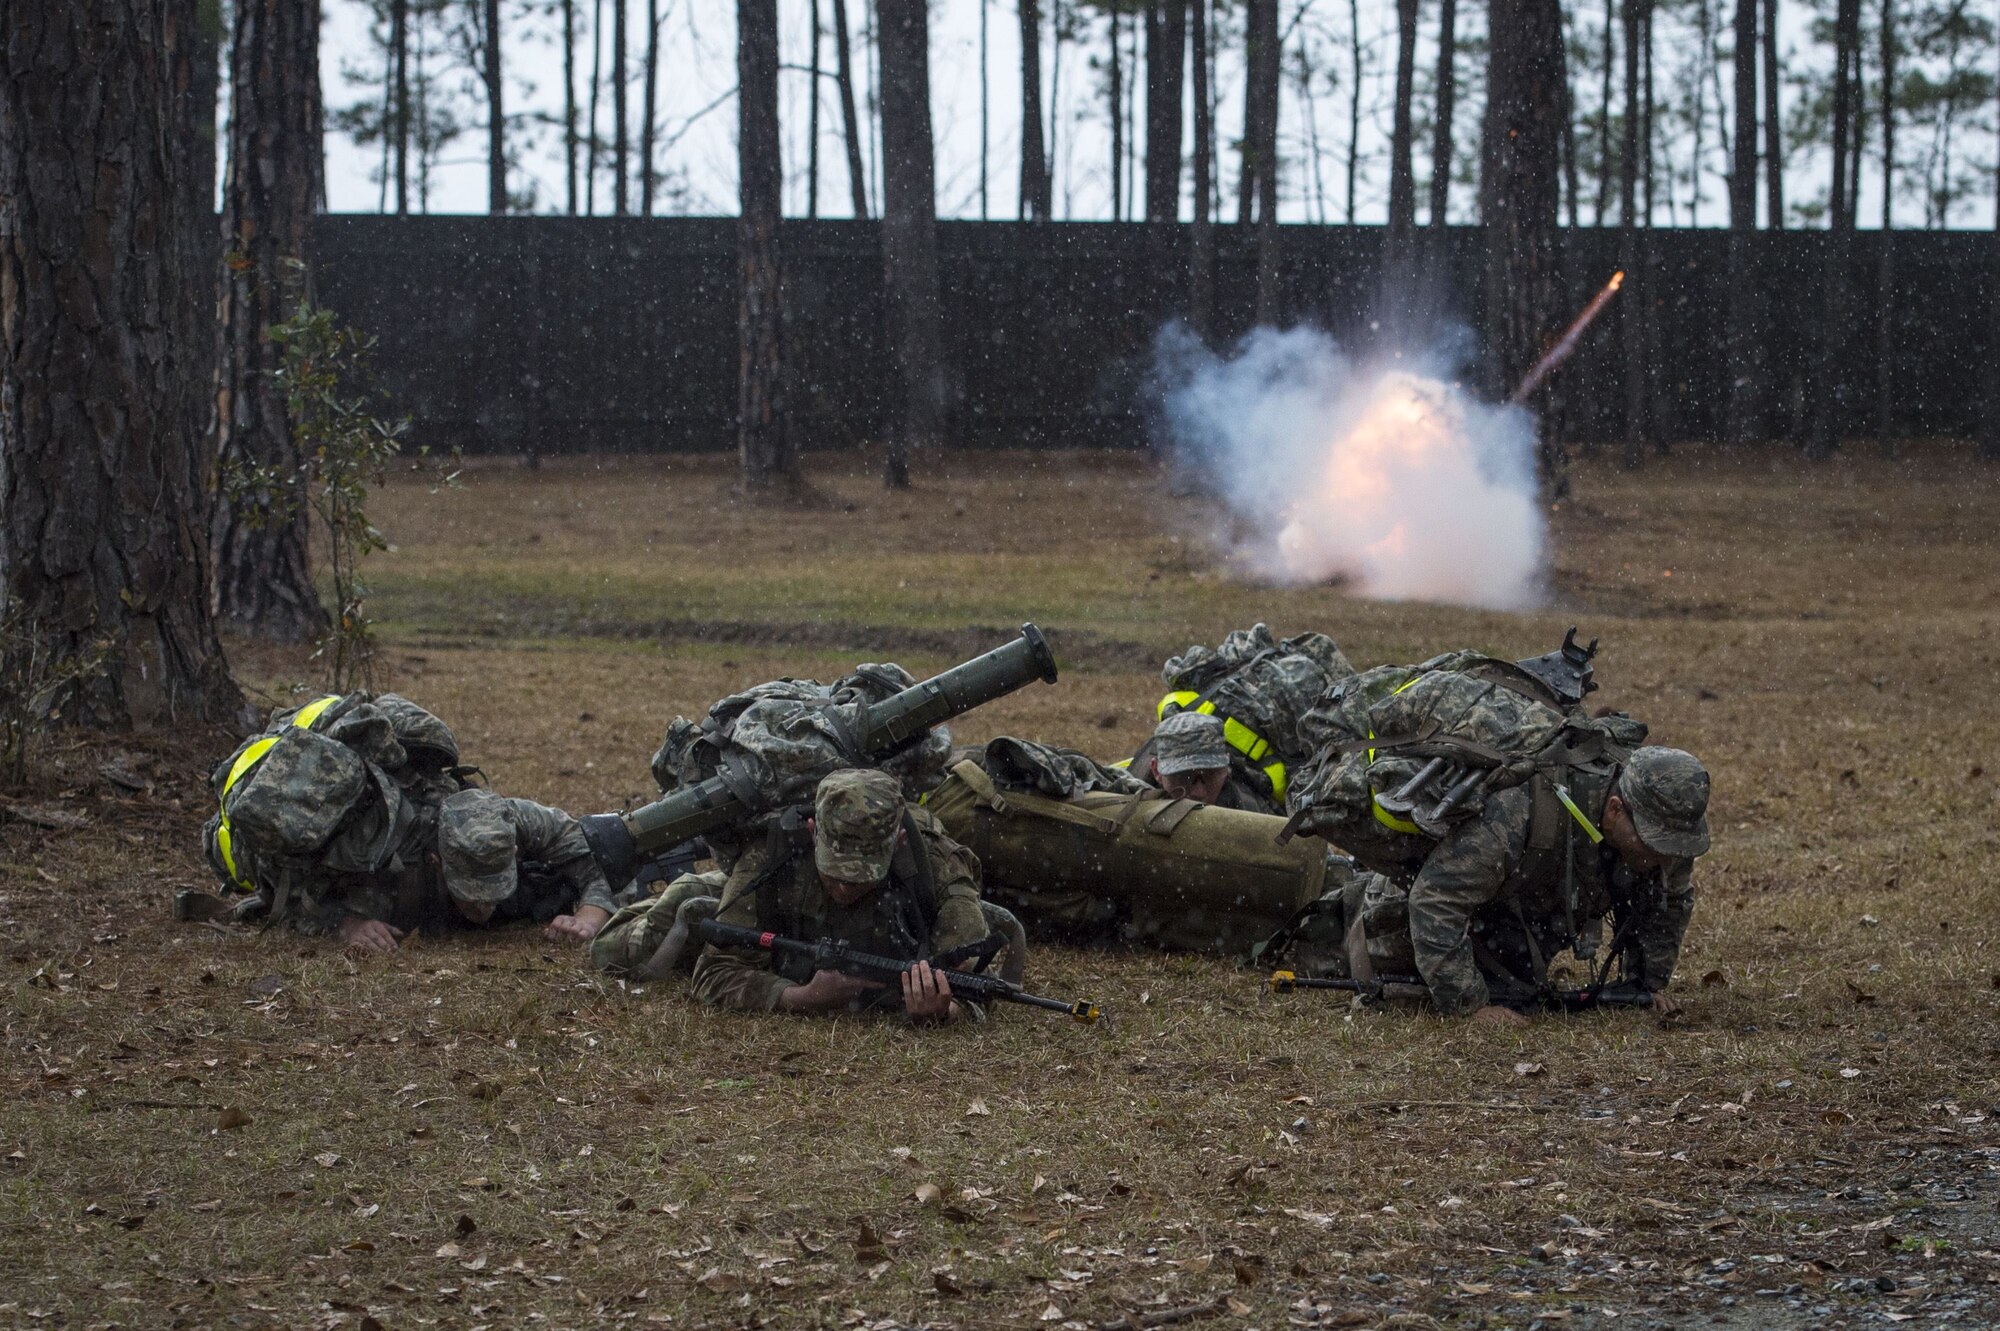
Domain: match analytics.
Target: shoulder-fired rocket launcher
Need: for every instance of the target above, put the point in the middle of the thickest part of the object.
(621, 842)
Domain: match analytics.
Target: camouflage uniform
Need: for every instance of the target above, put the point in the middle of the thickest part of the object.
(1487, 910)
(634, 935)
(927, 901)
(1195, 742)
(528, 859)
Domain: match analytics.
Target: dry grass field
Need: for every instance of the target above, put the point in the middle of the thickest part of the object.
(202, 1127)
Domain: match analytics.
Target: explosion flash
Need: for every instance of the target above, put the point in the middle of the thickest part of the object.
(1393, 479)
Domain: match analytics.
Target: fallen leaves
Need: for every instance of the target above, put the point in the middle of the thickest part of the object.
(1530, 1069)
(978, 1109)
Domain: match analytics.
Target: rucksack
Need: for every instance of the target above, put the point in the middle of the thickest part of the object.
(1407, 753)
(328, 782)
(1262, 689)
(780, 739)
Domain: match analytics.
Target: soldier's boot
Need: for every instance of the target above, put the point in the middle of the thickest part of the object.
(1000, 920)
(668, 954)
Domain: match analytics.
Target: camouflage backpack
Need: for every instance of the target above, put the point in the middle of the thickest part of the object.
(332, 782)
(781, 738)
(1401, 763)
(1261, 688)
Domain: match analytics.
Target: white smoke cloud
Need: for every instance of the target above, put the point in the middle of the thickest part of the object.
(1386, 474)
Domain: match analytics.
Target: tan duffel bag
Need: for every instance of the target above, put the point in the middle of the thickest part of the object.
(1173, 873)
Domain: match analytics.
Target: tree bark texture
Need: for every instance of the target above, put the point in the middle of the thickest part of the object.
(1037, 189)
(1746, 382)
(1447, 95)
(857, 176)
(1521, 150)
(263, 577)
(909, 232)
(1402, 174)
(762, 443)
(104, 365)
(1201, 238)
(496, 110)
(1166, 59)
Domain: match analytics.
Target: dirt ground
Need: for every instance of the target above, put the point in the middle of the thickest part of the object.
(205, 1127)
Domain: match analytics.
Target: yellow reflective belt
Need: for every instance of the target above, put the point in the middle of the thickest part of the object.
(1241, 737)
(1596, 837)
(253, 755)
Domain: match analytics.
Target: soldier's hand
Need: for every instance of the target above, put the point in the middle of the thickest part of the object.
(362, 935)
(1666, 1007)
(1495, 1015)
(578, 928)
(926, 993)
(826, 991)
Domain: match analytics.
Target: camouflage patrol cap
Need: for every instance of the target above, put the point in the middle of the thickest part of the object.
(476, 846)
(1667, 793)
(856, 815)
(1190, 742)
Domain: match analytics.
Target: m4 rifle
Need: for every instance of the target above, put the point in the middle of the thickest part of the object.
(827, 955)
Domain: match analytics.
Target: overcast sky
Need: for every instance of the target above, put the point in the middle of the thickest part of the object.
(697, 113)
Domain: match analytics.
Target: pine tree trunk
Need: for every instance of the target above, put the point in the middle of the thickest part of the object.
(1266, 65)
(1115, 91)
(1604, 158)
(569, 101)
(591, 149)
(1521, 150)
(763, 445)
(1631, 252)
(1166, 57)
(104, 368)
(812, 120)
(1402, 174)
(1353, 104)
(857, 177)
(1201, 240)
(1774, 128)
(1988, 430)
(1447, 95)
(1037, 194)
(399, 60)
(648, 178)
(1746, 344)
(496, 111)
(1261, 64)
(909, 232)
(621, 139)
(1827, 395)
(1886, 428)
(263, 578)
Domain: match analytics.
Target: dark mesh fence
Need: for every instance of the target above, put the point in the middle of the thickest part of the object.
(555, 335)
